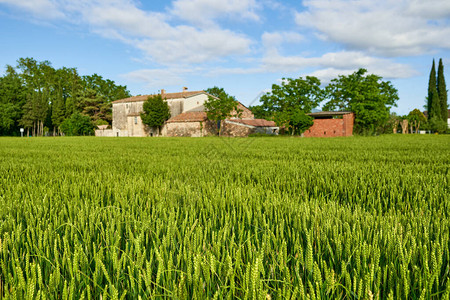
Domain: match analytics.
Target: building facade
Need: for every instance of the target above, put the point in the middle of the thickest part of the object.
(331, 124)
(188, 118)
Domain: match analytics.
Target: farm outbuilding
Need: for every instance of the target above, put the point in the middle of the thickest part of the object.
(244, 127)
(331, 124)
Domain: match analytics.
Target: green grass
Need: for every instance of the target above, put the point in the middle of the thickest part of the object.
(260, 218)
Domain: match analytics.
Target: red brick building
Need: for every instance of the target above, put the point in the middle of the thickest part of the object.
(331, 124)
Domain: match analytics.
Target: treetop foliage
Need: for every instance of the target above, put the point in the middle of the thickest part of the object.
(221, 105)
(433, 107)
(368, 96)
(303, 94)
(77, 124)
(295, 120)
(156, 111)
(442, 91)
(437, 105)
(34, 94)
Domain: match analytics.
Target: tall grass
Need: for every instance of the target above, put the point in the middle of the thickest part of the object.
(255, 218)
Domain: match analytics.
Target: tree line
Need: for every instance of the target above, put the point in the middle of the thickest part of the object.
(367, 95)
(48, 101)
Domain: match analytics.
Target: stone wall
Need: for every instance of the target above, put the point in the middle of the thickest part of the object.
(235, 130)
(175, 106)
(136, 127)
(246, 113)
(192, 129)
(121, 112)
(104, 132)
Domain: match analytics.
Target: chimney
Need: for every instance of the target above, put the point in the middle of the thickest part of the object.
(163, 92)
(185, 89)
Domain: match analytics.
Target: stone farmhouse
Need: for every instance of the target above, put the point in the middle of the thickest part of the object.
(188, 118)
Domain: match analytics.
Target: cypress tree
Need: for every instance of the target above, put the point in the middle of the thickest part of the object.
(442, 91)
(433, 98)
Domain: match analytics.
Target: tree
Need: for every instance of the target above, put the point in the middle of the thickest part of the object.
(442, 91)
(155, 111)
(38, 96)
(94, 105)
(293, 94)
(12, 97)
(368, 96)
(9, 113)
(433, 103)
(260, 113)
(416, 118)
(431, 87)
(436, 124)
(220, 106)
(404, 125)
(105, 88)
(77, 124)
(288, 103)
(392, 124)
(37, 78)
(295, 119)
(66, 90)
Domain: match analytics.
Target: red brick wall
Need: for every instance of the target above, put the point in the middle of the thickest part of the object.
(348, 124)
(331, 127)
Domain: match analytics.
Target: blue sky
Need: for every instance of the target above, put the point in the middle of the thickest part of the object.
(242, 45)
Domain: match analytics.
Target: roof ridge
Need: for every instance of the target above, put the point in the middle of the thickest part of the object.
(175, 95)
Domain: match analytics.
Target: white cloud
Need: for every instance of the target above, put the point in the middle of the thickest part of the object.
(431, 9)
(384, 27)
(39, 8)
(188, 45)
(206, 12)
(148, 31)
(125, 18)
(275, 39)
(188, 33)
(155, 78)
(237, 71)
(273, 42)
(339, 63)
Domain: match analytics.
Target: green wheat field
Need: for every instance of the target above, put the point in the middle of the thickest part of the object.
(224, 218)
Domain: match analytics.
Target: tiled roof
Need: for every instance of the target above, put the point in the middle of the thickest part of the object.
(184, 94)
(329, 113)
(192, 116)
(255, 122)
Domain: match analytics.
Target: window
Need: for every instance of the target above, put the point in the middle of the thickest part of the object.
(135, 120)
